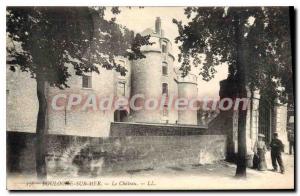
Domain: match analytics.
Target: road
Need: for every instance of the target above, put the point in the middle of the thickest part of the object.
(194, 177)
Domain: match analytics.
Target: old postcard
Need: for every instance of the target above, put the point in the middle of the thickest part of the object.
(150, 98)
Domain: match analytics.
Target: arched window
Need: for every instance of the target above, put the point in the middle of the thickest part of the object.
(164, 68)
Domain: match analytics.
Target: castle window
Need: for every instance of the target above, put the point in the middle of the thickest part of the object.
(165, 68)
(165, 88)
(164, 47)
(121, 89)
(165, 111)
(122, 64)
(86, 81)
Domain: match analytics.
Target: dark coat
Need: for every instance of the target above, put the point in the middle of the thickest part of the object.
(276, 146)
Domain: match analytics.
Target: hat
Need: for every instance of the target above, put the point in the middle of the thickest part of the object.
(261, 135)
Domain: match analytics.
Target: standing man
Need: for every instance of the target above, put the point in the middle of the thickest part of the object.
(276, 148)
(291, 142)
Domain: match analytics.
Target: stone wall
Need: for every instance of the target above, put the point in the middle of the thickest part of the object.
(224, 122)
(120, 129)
(75, 156)
(76, 121)
(281, 122)
(21, 101)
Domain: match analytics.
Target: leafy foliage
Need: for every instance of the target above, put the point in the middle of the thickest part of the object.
(263, 33)
(44, 40)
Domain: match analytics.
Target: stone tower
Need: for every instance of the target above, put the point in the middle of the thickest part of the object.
(153, 77)
(187, 88)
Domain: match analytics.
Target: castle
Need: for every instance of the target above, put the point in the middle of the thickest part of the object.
(154, 76)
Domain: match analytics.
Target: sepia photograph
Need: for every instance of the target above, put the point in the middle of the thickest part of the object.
(150, 98)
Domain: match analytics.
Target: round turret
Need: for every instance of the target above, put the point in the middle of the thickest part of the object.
(153, 76)
(187, 88)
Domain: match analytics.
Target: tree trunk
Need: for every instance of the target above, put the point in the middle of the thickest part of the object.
(242, 145)
(41, 130)
(242, 93)
(251, 111)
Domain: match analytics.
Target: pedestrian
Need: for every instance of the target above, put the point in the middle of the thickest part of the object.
(276, 148)
(291, 142)
(260, 150)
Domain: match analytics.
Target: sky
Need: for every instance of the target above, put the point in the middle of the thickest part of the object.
(138, 19)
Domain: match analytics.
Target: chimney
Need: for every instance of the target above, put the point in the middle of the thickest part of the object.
(158, 25)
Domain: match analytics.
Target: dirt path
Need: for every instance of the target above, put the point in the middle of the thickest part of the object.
(214, 176)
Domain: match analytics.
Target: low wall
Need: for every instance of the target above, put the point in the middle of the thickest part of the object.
(74, 156)
(121, 129)
(152, 129)
(224, 122)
